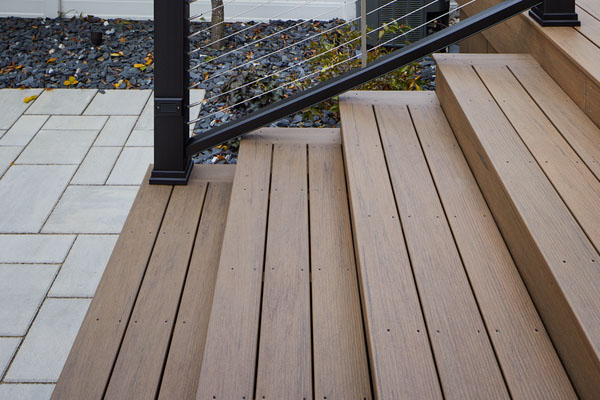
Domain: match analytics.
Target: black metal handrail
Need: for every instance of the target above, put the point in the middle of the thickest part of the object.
(174, 148)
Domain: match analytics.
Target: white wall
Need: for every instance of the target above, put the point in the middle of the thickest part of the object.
(238, 10)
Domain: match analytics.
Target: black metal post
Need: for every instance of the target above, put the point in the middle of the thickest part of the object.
(171, 94)
(555, 13)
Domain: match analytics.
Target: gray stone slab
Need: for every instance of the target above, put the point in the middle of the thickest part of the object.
(46, 347)
(96, 166)
(28, 193)
(8, 346)
(146, 120)
(58, 147)
(81, 272)
(7, 156)
(22, 289)
(13, 105)
(18, 391)
(131, 166)
(119, 102)
(76, 122)
(91, 209)
(2, 132)
(48, 249)
(116, 131)
(62, 101)
(23, 130)
(141, 139)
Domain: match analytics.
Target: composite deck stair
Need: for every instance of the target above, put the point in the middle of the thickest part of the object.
(432, 248)
(536, 158)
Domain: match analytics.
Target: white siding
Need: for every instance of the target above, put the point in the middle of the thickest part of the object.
(238, 10)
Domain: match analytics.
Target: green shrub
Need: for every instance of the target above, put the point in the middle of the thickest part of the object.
(330, 54)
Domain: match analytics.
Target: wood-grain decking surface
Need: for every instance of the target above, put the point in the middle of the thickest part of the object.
(355, 264)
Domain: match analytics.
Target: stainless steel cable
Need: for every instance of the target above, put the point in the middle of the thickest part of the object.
(272, 74)
(302, 41)
(322, 69)
(422, 25)
(261, 39)
(302, 62)
(270, 91)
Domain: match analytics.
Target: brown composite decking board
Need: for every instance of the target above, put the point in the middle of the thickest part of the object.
(590, 26)
(182, 369)
(284, 359)
(229, 360)
(90, 362)
(556, 259)
(575, 183)
(591, 6)
(298, 135)
(525, 353)
(340, 357)
(139, 366)
(461, 346)
(581, 133)
(395, 329)
(568, 54)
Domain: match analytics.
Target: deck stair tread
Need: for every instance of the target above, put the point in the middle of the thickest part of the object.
(542, 194)
(440, 222)
(569, 54)
(401, 257)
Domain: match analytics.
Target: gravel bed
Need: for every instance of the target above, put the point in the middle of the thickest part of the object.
(59, 53)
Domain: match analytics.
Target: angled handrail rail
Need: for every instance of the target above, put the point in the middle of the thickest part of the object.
(357, 77)
(173, 147)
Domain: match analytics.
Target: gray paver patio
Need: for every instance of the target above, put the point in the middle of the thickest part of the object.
(21, 133)
(91, 209)
(97, 166)
(49, 249)
(45, 349)
(70, 167)
(76, 122)
(7, 156)
(116, 131)
(141, 139)
(28, 392)
(81, 272)
(117, 102)
(28, 194)
(8, 346)
(62, 102)
(22, 290)
(12, 105)
(58, 147)
(131, 166)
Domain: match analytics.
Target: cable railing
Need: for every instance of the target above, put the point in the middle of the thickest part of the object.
(308, 39)
(311, 59)
(173, 146)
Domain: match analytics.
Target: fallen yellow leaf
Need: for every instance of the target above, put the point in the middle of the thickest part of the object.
(51, 60)
(30, 99)
(71, 81)
(119, 54)
(122, 40)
